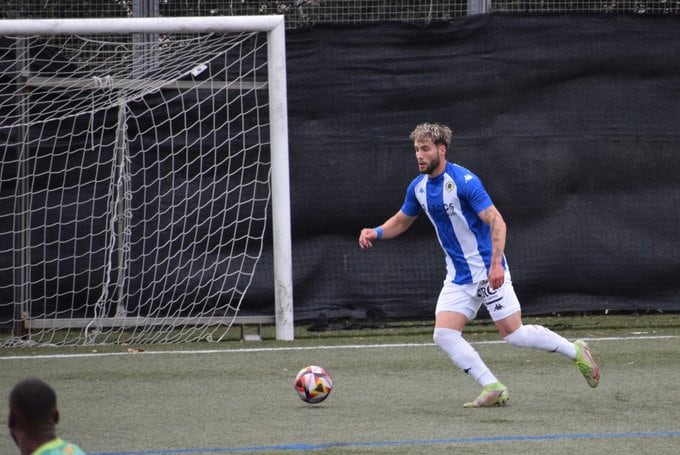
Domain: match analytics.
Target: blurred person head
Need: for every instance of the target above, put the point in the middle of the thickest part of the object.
(33, 414)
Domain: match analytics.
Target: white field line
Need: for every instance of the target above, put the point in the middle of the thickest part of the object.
(296, 348)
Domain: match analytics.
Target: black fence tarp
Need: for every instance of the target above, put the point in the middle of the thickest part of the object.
(570, 120)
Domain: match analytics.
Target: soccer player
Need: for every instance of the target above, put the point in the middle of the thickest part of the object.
(472, 234)
(32, 419)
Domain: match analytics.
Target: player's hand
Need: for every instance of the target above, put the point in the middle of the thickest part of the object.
(366, 237)
(496, 276)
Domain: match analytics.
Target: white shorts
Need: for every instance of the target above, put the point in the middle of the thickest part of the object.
(467, 298)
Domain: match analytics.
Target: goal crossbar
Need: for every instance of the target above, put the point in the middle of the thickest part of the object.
(113, 26)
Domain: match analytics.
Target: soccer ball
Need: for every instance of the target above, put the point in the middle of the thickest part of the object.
(313, 384)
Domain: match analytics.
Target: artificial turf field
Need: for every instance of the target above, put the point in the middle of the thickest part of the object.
(395, 392)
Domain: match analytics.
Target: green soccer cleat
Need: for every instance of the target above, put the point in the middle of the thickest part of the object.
(495, 394)
(585, 362)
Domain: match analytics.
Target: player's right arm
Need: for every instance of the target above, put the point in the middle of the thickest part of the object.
(394, 226)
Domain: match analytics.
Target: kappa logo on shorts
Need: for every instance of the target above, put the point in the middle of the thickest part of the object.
(498, 307)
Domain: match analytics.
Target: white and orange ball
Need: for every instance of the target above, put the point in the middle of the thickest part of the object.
(313, 384)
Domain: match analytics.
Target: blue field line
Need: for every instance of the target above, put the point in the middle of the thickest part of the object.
(476, 440)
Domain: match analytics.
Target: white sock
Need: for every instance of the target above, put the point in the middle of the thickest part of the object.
(463, 355)
(538, 337)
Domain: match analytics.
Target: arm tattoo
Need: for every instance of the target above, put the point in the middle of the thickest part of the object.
(491, 216)
(496, 231)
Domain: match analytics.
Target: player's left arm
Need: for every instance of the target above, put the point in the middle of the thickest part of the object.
(494, 219)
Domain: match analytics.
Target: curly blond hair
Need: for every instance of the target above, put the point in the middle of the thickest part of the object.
(437, 133)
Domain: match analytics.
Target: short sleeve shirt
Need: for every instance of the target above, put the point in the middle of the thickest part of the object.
(452, 202)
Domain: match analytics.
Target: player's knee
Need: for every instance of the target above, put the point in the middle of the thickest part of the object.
(443, 336)
(520, 337)
(437, 337)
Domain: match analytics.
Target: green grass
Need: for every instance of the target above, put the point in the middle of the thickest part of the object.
(396, 399)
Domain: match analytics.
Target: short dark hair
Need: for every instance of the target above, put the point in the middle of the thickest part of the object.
(33, 401)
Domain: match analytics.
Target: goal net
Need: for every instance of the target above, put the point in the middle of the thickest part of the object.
(142, 159)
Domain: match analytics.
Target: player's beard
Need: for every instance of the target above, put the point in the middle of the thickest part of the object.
(434, 164)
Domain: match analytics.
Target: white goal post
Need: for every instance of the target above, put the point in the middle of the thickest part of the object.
(141, 158)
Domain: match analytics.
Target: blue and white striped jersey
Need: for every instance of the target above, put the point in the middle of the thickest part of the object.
(452, 201)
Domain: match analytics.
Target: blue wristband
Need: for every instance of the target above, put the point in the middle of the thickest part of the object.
(378, 230)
